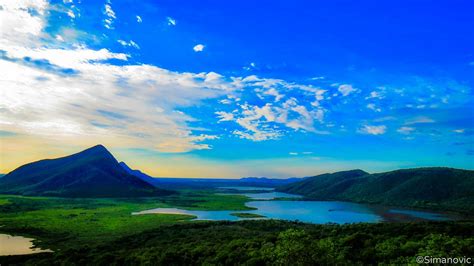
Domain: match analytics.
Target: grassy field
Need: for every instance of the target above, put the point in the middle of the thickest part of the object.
(66, 222)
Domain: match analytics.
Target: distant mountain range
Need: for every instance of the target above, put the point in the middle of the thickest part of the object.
(91, 173)
(434, 188)
(205, 183)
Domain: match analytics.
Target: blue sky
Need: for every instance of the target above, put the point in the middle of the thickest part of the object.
(230, 89)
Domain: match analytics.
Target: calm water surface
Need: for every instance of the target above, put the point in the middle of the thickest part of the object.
(264, 195)
(422, 215)
(18, 245)
(317, 212)
(248, 188)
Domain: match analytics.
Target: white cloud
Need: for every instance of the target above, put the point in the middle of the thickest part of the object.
(372, 106)
(318, 97)
(373, 130)
(18, 24)
(460, 131)
(225, 101)
(171, 21)
(251, 66)
(129, 44)
(139, 19)
(250, 118)
(346, 89)
(385, 118)
(71, 14)
(257, 136)
(275, 93)
(272, 120)
(120, 103)
(375, 94)
(76, 58)
(293, 153)
(198, 48)
(223, 116)
(419, 120)
(405, 130)
(264, 122)
(59, 38)
(110, 16)
(109, 103)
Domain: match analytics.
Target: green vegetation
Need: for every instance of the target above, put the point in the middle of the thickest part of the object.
(246, 215)
(436, 188)
(102, 231)
(206, 200)
(4, 201)
(270, 242)
(65, 222)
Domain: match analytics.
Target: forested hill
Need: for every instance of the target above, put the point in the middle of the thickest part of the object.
(434, 187)
(93, 172)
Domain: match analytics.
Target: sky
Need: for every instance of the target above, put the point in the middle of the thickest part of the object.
(239, 88)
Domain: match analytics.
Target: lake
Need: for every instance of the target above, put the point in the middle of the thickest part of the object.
(317, 212)
(18, 245)
(247, 188)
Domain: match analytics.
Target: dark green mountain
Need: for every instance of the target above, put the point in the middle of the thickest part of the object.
(434, 188)
(325, 185)
(91, 173)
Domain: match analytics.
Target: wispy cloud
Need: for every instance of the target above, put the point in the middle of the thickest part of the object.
(419, 120)
(71, 14)
(171, 21)
(406, 130)
(130, 43)
(346, 89)
(110, 16)
(373, 130)
(373, 107)
(223, 116)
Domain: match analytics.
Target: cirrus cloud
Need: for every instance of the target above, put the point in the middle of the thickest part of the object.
(373, 130)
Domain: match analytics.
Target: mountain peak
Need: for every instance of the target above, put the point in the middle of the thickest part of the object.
(93, 172)
(97, 151)
(97, 148)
